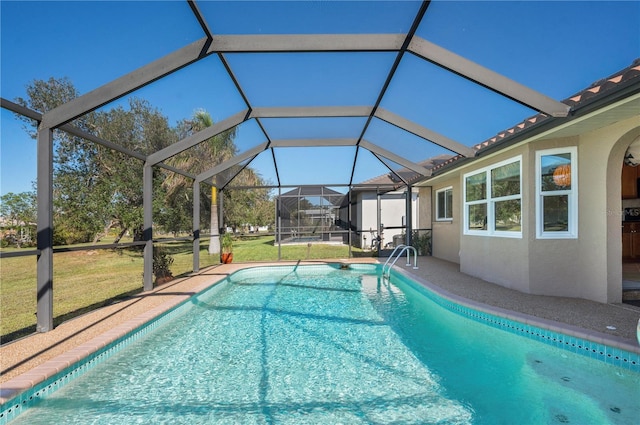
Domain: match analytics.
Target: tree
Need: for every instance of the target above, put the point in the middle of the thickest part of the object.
(19, 213)
(97, 188)
(248, 206)
(198, 159)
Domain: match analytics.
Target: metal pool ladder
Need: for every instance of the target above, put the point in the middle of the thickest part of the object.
(386, 271)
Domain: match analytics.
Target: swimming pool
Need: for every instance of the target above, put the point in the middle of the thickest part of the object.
(318, 344)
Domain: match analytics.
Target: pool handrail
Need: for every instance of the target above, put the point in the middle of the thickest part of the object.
(392, 254)
(403, 248)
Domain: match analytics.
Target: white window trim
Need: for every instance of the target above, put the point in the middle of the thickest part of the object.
(444, 189)
(490, 201)
(572, 233)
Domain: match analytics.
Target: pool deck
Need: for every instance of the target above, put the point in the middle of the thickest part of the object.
(35, 358)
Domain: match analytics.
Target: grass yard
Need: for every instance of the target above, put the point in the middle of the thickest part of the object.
(86, 280)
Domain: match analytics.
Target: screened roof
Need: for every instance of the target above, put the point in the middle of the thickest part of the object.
(326, 93)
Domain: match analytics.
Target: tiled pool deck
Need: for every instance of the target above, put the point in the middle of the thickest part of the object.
(34, 359)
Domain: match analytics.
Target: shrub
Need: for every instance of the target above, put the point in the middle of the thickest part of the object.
(161, 263)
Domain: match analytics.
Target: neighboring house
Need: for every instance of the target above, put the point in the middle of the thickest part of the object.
(381, 203)
(540, 207)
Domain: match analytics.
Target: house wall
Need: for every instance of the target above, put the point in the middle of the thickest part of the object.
(587, 267)
(423, 208)
(584, 267)
(446, 234)
(499, 260)
(554, 264)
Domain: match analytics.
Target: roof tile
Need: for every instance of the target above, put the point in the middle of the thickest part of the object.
(595, 90)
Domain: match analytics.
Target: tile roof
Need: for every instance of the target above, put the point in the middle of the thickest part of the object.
(390, 179)
(598, 90)
(595, 91)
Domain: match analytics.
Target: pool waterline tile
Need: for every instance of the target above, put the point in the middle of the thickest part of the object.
(589, 344)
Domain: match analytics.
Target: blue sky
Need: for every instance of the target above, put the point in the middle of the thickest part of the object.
(557, 48)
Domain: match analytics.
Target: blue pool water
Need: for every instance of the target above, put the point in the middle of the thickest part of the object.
(320, 345)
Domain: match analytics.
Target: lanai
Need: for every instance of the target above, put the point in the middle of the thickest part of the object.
(399, 44)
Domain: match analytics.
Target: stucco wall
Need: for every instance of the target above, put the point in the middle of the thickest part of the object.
(583, 267)
(446, 234)
(554, 264)
(501, 260)
(587, 267)
(424, 208)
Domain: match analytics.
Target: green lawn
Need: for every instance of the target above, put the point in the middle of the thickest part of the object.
(86, 280)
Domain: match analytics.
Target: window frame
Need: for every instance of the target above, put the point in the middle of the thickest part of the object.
(490, 201)
(572, 194)
(448, 214)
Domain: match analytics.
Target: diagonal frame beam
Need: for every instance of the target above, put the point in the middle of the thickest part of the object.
(424, 132)
(198, 137)
(487, 78)
(231, 162)
(391, 170)
(403, 48)
(125, 84)
(37, 116)
(395, 158)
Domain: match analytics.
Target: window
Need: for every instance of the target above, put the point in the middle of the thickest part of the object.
(556, 189)
(493, 200)
(444, 204)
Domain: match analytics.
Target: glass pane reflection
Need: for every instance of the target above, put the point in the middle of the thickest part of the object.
(555, 213)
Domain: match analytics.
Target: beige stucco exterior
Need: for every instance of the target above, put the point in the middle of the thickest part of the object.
(446, 234)
(589, 266)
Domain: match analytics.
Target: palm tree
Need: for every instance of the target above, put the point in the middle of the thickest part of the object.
(198, 159)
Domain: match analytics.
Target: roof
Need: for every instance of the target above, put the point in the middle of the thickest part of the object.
(599, 91)
(395, 178)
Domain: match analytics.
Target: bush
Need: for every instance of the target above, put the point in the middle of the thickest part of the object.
(421, 240)
(161, 263)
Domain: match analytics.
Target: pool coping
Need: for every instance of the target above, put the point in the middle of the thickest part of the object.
(12, 388)
(551, 325)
